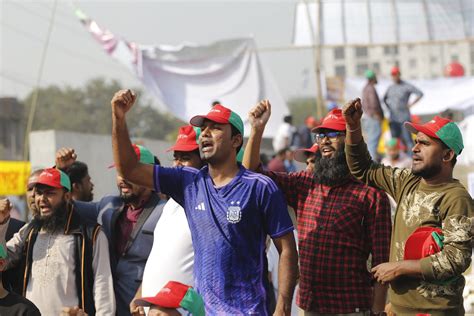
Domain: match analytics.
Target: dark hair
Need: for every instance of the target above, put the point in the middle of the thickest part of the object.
(288, 119)
(454, 160)
(216, 102)
(157, 161)
(236, 132)
(77, 171)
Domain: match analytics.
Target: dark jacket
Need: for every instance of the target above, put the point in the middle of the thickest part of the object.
(127, 268)
(84, 237)
(12, 278)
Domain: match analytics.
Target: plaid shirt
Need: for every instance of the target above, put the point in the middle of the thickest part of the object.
(338, 227)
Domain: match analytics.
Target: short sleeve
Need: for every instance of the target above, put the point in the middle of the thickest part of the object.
(277, 218)
(172, 181)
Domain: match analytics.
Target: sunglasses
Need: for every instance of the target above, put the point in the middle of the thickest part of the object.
(331, 135)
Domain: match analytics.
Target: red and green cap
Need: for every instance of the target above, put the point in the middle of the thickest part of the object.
(176, 295)
(423, 242)
(187, 140)
(222, 115)
(54, 178)
(144, 155)
(302, 154)
(440, 128)
(333, 120)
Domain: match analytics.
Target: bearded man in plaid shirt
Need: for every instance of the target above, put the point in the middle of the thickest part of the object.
(341, 221)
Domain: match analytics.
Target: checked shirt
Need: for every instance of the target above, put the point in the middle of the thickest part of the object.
(338, 227)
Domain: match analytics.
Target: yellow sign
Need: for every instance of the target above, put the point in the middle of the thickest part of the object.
(13, 177)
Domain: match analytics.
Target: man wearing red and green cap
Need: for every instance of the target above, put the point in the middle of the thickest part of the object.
(230, 212)
(341, 221)
(128, 220)
(172, 254)
(65, 259)
(426, 196)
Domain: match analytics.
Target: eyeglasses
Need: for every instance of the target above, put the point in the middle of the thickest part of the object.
(331, 135)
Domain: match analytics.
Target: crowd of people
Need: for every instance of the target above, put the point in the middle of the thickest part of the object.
(194, 238)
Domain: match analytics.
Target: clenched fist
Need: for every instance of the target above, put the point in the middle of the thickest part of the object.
(260, 114)
(122, 101)
(65, 157)
(352, 112)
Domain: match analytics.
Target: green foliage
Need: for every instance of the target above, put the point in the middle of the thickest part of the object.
(301, 108)
(87, 110)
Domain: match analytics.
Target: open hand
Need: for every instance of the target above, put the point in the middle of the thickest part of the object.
(122, 102)
(260, 114)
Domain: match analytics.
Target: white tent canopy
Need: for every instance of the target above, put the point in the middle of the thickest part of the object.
(383, 22)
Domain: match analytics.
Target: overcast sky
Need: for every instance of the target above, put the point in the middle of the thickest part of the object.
(74, 57)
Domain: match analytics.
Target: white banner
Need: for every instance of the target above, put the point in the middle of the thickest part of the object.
(187, 78)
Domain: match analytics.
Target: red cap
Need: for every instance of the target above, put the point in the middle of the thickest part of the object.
(144, 155)
(333, 120)
(222, 115)
(54, 178)
(421, 243)
(430, 128)
(302, 154)
(187, 139)
(395, 70)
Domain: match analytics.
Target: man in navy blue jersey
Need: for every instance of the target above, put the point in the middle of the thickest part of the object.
(230, 211)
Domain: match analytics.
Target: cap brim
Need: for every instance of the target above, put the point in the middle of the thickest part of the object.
(336, 127)
(183, 148)
(149, 301)
(415, 128)
(198, 120)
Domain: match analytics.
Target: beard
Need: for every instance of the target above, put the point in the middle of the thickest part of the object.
(330, 171)
(128, 198)
(427, 172)
(54, 222)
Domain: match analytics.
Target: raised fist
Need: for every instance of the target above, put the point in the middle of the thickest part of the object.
(260, 114)
(65, 157)
(122, 101)
(352, 112)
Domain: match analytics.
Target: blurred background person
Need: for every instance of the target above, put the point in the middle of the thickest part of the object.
(394, 156)
(397, 100)
(373, 114)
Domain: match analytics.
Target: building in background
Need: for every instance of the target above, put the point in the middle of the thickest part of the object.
(416, 61)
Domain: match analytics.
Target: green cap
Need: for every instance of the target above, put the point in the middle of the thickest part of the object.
(369, 74)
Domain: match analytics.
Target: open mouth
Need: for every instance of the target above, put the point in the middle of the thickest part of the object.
(327, 151)
(206, 146)
(416, 159)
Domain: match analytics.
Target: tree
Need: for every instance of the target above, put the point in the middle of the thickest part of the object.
(87, 110)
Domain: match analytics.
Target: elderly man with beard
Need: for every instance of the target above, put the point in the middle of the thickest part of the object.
(65, 261)
(427, 196)
(341, 221)
(230, 212)
(128, 220)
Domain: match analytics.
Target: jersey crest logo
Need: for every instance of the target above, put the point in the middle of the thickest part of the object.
(234, 214)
